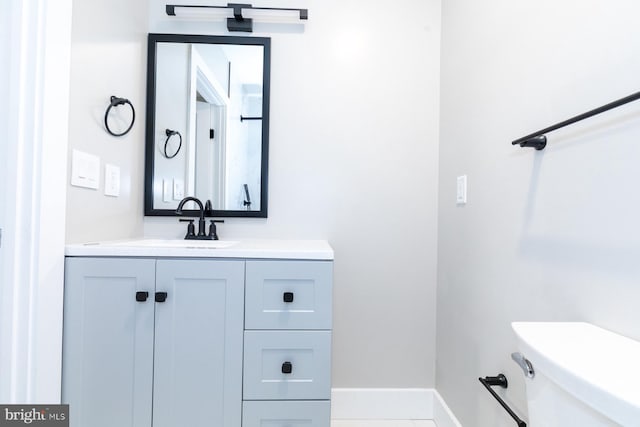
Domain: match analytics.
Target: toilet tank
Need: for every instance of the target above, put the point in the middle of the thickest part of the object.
(584, 376)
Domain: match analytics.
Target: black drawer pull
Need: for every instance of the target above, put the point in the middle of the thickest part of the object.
(161, 296)
(142, 296)
(287, 368)
(287, 297)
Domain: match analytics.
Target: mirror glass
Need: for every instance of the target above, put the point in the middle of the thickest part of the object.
(207, 124)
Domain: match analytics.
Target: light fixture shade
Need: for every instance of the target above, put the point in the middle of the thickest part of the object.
(259, 14)
(217, 13)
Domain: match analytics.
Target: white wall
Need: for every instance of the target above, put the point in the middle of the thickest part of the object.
(108, 58)
(549, 235)
(353, 159)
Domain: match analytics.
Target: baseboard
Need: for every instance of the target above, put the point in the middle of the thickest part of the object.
(391, 404)
(442, 415)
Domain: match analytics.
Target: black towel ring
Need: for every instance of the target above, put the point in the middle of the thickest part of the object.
(170, 133)
(115, 101)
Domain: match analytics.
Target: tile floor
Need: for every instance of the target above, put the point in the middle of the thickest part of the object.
(382, 423)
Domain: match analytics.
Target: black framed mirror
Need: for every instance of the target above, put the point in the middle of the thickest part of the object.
(207, 131)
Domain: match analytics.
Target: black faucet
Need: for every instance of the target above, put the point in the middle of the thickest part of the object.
(201, 223)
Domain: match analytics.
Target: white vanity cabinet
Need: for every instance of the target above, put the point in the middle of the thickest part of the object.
(159, 336)
(148, 339)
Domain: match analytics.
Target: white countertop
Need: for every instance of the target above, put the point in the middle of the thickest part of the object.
(252, 249)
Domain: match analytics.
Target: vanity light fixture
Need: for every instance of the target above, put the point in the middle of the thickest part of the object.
(239, 16)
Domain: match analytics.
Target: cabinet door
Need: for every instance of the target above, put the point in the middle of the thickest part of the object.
(108, 342)
(198, 343)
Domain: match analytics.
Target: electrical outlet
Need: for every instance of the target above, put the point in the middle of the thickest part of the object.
(111, 180)
(178, 189)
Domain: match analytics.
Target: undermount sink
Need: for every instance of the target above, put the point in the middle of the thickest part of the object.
(175, 243)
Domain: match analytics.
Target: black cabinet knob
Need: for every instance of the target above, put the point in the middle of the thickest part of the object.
(161, 296)
(142, 296)
(287, 297)
(287, 368)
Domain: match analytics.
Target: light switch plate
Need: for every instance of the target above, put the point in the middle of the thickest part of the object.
(167, 190)
(461, 193)
(111, 180)
(178, 189)
(85, 170)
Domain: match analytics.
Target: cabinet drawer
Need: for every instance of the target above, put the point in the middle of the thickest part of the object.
(288, 295)
(287, 365)
(286, 414)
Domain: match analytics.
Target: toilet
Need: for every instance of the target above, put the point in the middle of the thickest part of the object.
(582, 375)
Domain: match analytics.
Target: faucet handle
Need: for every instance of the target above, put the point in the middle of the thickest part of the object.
(213, 232)
(191, 230)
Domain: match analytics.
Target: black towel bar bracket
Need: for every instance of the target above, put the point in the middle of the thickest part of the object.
(538, 140)
(501, 381)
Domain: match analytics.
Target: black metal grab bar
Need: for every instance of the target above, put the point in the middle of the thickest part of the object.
(501, 381)
(538, 140)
